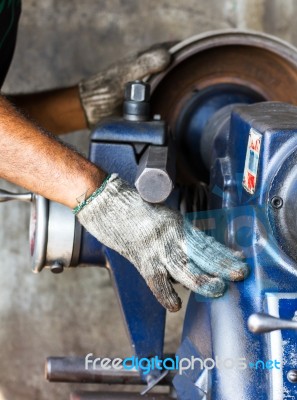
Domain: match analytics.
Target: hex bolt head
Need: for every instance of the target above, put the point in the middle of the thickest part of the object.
(137, 91)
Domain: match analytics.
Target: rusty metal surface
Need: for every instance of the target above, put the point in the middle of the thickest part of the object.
(259, 62)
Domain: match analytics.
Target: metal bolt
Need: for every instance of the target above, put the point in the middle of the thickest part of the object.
(137, 91)
(154, 179)
(277, 202)
(292, 376)
(57, 267)
(137, 101)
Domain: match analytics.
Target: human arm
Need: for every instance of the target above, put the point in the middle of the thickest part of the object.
(79, 107)
(59, 111)
(155, 239)
(38, 162)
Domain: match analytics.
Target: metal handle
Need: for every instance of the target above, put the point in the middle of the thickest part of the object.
(263, 323)
(8, 196)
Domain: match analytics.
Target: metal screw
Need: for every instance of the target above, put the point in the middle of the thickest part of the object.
(292, 376)
(57, 267)
(277, 202)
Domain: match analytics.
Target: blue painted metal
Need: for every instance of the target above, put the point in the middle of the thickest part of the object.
(217, 328)
(91, 251)
(119, 130)
(248, 222)
(143, 315)
(287, 310)
(115, 145)
(186, 381)
(196, 113)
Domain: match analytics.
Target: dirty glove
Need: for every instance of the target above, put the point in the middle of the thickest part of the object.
(159, 243)
(103, 93)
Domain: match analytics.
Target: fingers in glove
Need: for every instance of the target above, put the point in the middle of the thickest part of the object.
(103, 93)
(163, 290)
(165, 45)
(214, 258)
(147, 63)
(192, 277)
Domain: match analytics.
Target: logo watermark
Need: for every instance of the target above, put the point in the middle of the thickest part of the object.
(146, 365)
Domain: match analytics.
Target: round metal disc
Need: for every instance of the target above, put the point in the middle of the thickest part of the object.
(261, 63)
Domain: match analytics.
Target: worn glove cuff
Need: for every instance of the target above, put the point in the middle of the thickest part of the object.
(98, 191)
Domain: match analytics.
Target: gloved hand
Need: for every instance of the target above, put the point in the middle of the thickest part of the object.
(102, 93)
(159, 243)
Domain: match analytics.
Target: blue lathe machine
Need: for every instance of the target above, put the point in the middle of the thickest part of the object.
(219, 144)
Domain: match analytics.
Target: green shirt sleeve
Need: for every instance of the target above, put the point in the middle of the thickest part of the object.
(9, 17)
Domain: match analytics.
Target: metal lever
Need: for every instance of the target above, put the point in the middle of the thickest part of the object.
(8, 196)
(263, 323)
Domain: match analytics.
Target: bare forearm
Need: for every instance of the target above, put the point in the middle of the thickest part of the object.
(58, 111)
(40, 163)
(99, 96)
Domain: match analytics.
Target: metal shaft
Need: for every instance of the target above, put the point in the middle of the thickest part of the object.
(263, 323)
(8, 196)
(155, 174)
(73, 369)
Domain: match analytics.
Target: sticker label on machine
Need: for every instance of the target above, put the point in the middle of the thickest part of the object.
(252, 161)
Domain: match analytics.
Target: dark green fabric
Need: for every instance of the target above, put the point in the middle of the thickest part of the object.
(9, 16)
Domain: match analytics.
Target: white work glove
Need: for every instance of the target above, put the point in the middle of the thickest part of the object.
(159, 243)
(103, 93)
